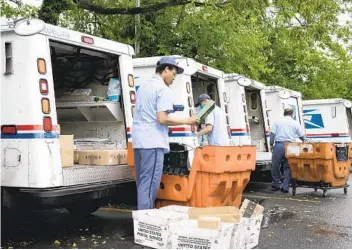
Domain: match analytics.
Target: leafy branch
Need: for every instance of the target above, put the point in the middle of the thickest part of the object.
(90, 6)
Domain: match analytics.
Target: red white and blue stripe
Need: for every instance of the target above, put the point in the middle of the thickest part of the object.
(31, 132)
(239, 132)
(329, 135)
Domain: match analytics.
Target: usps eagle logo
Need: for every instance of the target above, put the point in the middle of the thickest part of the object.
(313, 119)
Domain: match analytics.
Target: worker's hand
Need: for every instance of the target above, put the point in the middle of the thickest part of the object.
(192, 121)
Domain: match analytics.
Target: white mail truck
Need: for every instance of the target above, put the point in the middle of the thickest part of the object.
(52, 78)
(328, 120)
(249, 122)
(279, 98)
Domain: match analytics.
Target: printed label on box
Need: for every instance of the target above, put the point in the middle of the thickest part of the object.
(149, 232)
(193, 243)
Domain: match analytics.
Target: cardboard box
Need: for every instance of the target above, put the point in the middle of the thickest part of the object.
(250, 209)
(209, 222)
(66, 150)
(151, 227)
(225, 213)
(102, 157)
(246, 233)
(185, 234)
(176, 208)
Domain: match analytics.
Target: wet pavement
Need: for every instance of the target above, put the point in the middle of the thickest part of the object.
(306, 220)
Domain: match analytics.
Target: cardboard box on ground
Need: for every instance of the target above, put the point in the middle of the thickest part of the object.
(203, 228)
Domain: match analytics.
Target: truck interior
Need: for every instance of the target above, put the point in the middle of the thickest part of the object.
(81, 77)
(203, 84)
(256, 119)
(176, 161)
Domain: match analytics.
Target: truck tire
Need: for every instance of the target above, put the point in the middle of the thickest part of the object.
(83, 208)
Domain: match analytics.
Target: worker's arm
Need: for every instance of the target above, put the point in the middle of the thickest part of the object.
(303, 138)
(209, 124)
(273, 135)
(165, 107)
(301, 133)
(207, 129)
(272, 139)
(164, 119)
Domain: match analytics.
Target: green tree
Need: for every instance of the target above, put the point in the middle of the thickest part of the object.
(298, 44)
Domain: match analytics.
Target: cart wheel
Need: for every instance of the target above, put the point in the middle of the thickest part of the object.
(324, 193)
(294, 191)
(345, 190)
(315, 189)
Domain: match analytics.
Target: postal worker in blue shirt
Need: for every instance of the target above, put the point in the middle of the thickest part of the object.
(150, 129)
(215, 124)
(285, 130)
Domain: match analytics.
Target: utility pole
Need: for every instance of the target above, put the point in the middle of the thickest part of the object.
(137, 29)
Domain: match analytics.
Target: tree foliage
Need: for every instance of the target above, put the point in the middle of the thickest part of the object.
(298, 44)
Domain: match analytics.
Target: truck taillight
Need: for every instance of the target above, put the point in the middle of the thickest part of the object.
(45, 106)
(8, 129)
(229, 131)
(43, 86)
(133, 97)
(47, 125)
(88, 40)
(41, 64)
(130, 81)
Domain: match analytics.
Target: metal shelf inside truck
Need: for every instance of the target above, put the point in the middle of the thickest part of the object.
(89, 111)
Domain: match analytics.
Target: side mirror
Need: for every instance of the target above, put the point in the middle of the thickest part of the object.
(284, 94)
(28, 27)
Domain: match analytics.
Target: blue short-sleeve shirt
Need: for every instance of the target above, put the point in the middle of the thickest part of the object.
(287, 129)
(219, 135)
(151, 98)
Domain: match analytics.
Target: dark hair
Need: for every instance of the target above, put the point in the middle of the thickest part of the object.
(288, 112)
(161, 67)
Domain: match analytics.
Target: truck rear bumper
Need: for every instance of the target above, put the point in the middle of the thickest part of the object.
(59, 196)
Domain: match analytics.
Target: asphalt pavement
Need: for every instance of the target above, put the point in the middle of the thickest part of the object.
(306, 220)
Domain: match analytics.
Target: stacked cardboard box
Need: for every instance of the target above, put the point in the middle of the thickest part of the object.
(98, 152)
(214, 227)
(102, 157)
(66, 150)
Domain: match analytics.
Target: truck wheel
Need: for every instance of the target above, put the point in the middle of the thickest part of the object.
(83, 208)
